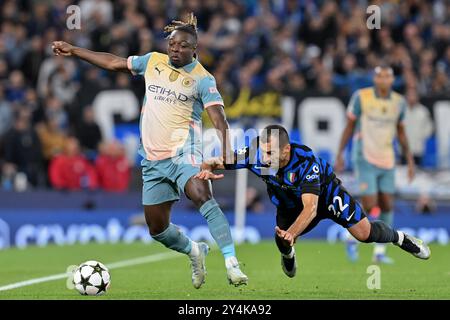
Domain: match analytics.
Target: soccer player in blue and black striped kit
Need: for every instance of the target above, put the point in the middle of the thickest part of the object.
(305, 190)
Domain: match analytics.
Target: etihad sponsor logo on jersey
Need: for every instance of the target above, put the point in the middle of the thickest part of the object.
(167, 94)
(382, 120)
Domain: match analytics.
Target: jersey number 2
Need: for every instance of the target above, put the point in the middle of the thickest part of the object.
(341, 207)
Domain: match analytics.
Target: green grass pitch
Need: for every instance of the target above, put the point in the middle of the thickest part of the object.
(323, 273)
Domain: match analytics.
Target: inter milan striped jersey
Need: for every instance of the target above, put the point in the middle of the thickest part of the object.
(305, 173)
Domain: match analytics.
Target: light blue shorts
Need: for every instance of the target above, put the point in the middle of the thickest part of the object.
(372, 179)
(164, 180)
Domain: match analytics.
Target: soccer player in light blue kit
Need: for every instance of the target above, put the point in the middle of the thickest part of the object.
(375, 117)
(178, 89)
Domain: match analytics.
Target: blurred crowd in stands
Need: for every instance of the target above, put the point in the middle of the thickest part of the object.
(48, 133)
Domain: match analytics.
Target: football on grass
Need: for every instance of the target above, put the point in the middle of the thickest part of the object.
(92, 278)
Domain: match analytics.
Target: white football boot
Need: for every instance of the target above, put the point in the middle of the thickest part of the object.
(197, 256)
(234, 274)
(414, 246)
(289, 264)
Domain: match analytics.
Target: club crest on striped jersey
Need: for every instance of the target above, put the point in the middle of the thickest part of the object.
(291, 177)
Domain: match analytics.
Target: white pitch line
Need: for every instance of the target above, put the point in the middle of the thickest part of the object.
(114, 265)
(33, 281)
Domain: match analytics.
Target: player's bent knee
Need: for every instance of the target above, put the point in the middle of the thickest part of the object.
(156, 226)
(198, 192)
(155, 230)
(361, 230)
(200, 196)
(363, 237)
(200, 199)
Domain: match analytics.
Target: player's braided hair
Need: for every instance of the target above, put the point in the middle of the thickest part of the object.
(189, 26)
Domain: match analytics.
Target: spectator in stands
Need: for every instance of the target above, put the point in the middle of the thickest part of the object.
(325, 87)
(52, 137)
(71, 170)
(296, 84)
(8, 174)
(4, 69)
(88, 131)
(18, 46)
(16, 88)
(53, 109)
(53, 67)
(91, 84)
(441, 84)
(418, 125)
(113, 168)
(33, 59)
(6, 114)
(349, 76)
(33, 104)
(63, 83)
(295, 45)
(254, 200)
(425, 204)
(22, 148)
(444, 63)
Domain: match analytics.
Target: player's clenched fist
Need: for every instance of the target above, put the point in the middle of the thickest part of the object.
(285, 236)
(62, 48)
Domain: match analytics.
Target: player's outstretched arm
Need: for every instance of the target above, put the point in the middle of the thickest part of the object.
(100, 59)
(345, 138)
(217, 115)
(207, 168)
(308, 213)
(403, 140)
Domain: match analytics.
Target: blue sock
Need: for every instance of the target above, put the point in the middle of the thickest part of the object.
(219, 227)
(174, 239)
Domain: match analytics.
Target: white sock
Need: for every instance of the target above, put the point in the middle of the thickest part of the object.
(380, 248)
(195, 251)
(231, 262)
(401, 237)
(349, 237)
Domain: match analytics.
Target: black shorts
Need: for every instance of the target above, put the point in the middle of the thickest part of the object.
(335, 203)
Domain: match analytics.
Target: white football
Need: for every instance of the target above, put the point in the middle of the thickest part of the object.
(92, 278)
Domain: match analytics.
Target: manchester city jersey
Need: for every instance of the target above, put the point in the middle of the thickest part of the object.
(376, 125)
(174, 101)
